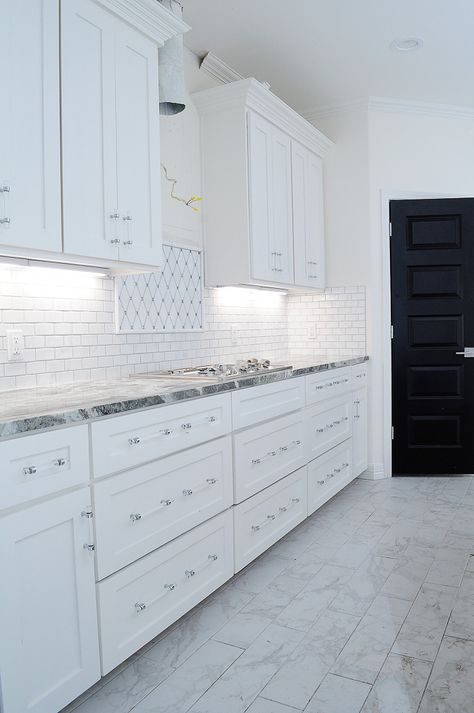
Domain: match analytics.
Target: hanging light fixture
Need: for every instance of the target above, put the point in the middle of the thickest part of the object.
(171, 68)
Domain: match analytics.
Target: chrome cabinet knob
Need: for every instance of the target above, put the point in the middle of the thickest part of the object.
(87, 513)
(128, 243)
(115, 241)
(134, 441)
(30, 470)
(88, 547)
(5, 221)
(212, 557)
(4, 189)
(166, 502)
(211, 481)
(135, 516)
(140, 606)
(59, 462)
(187, 492)
(170, 587)
(126, 217)
(189, 573)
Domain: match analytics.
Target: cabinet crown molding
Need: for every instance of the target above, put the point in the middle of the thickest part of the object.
(216, 68)
(149, 17)
(251, 94)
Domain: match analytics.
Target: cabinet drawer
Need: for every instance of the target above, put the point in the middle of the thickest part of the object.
(260, 403)
(45, 463)
(328, 424)
(328, 384)
(127, 441)
(265, 453)
(263, 519)
(144, 508)
(359, 375)
(142, 600)
(328, 474)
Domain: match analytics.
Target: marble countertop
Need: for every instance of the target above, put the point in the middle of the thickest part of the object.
(27, 410)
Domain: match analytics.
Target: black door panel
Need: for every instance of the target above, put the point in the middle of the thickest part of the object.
(432, 272)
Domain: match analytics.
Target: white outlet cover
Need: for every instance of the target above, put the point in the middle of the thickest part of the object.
(312, 331)
(15, 345)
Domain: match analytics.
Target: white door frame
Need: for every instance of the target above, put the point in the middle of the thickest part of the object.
(386, 197)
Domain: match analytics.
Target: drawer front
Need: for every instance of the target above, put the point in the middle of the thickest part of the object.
(360, 375)
(263, 519)
(128, 441)
(328, 474)
(265, 453)
(328, 424)
(34, 466)
(260, 403)
(328, 384)
(142, 600)
(142, 509)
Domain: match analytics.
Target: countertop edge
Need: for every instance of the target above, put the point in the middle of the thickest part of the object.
(49, 421)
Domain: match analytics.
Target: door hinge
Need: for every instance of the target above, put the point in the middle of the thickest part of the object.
(390, 229)
(393, 433)
(391, 331)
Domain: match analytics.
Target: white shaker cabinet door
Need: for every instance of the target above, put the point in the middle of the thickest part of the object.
(49, 652)
(91, 217)
(30, 204)
(359, 431)
(308, 216)
(138, 147)
(282, 210)
(262, 246)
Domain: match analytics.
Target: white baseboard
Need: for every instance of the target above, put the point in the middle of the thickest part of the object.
(375, 471)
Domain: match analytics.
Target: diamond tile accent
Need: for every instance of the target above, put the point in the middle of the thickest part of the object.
(167, 301)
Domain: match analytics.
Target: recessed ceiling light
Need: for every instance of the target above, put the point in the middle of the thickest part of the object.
(407, 44)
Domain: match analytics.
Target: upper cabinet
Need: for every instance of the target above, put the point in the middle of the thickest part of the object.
(111, 152)
(103, 55)
(30, 198)
(263, 189)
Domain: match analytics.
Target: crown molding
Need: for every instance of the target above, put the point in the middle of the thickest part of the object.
(387, 104)
(446, 111)
(252, 94)
(332, 109)
(148, 16)
(218, 69)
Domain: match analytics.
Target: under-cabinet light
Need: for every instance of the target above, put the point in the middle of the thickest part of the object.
(6, 260)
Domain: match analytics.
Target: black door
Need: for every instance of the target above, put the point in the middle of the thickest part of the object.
(432, 270)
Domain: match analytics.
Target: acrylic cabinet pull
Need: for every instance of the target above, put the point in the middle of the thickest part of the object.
(270, 518)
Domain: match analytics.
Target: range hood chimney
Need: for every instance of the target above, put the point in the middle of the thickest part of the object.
(171, 68)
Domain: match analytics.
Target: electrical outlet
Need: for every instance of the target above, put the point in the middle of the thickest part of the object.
(15, 345)
(312, 331)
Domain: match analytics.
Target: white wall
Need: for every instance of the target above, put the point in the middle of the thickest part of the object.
(418, 154)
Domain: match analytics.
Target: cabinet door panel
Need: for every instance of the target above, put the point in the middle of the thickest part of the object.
(308, 217)
(359, 431)
(29, 125)
(282, 211)
(260, 197)
(88, 119)
(138, 148)
(49, 652)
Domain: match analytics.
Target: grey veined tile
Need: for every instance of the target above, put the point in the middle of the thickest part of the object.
(357, 595)
(461, 623)
(365, 652)
(296, 681)
(242, 629)
(316, 596)
(407, 577)
(424, 627)
(244, 680)
(450, 688)
(191, 680)
(263, 705)
(399, 686)
(119, 695)
(339, 695)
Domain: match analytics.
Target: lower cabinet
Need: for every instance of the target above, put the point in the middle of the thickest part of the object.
(49, 651)
(328, 474)
(264, 518)
(328, 424)
(143, 599)
(359, 431)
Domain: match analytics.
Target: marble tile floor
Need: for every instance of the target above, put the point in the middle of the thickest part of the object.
(367, 607)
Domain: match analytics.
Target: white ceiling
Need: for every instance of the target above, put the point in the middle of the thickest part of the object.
(322, 52)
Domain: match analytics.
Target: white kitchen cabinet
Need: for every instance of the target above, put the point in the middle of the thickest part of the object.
(359, 431)
(270, 199)
(49, 651)
(328, 424)
(143, 599)
(110, 123)
(268, 401)
(308, 216)
(328, 474)
(261, 227)
(30, 203)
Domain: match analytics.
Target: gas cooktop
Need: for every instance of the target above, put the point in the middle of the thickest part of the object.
(243, 367)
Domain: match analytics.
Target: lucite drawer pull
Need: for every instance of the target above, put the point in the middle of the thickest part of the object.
(30, 470)
(270, 518)
(137, 516)
(166, 432)
(271, 454)
(135, 441)
(170, 587)
(186, 426)
(141, 606)
(59, 462)
(321, 482)
(89, 547)
(187, 491)
(189, 572)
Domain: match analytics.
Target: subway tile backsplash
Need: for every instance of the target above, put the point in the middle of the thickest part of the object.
(68, 320)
